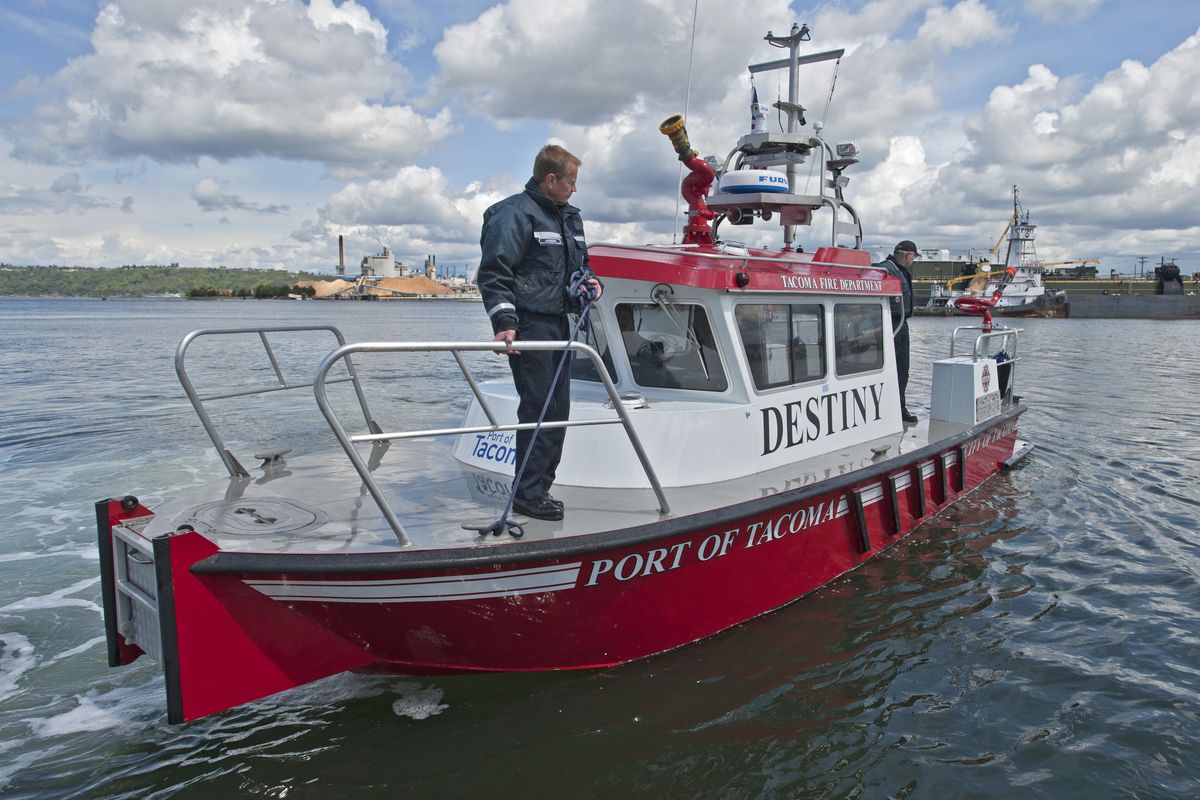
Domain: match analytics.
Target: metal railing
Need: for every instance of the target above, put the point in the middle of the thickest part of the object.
(457, 349)
(981, 348)
(282, 383)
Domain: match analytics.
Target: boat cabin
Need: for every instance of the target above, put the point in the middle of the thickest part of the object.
(728, 361)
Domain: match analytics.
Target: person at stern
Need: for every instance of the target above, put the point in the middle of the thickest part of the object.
(899, 263)
(532, 243)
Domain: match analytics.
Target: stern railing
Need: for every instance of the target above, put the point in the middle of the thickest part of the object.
(282, 383)
(983, 348)
(321, 380)
(456, 349)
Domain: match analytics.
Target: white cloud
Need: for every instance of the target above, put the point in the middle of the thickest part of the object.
(67, 182)
(596, 58)
(888, 188)
(26, 246)
(175, 80)
(963, 25)
(1095, 163)
(177, 100)
(886, 85)
(209, 194)
(65, 195)
(415, 211)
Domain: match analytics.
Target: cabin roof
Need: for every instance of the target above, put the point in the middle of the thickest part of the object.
(830, 270)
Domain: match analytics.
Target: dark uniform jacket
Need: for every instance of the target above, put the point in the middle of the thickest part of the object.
(902, 307)
(531, 248)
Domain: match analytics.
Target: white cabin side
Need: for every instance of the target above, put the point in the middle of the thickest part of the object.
(722, 384)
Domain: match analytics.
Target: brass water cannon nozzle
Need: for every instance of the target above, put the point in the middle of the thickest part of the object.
(672, 127)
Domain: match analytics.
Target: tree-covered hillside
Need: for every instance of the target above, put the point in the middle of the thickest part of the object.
(139, 280)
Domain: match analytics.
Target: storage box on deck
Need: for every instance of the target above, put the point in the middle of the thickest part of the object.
(965, 390)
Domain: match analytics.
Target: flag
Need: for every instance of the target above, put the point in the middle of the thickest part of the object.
(757, 118)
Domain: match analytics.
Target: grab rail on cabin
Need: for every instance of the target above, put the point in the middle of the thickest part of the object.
(1007, 338)
(457, 349)
(235, 468)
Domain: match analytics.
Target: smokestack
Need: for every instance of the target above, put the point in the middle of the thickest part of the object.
(341, 256)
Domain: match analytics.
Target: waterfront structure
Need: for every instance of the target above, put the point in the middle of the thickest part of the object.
(1017, 283)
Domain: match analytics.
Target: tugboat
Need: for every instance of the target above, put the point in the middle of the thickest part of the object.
(735, 442)
(1019, 279)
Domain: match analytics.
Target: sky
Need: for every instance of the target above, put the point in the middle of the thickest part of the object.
(251, 133)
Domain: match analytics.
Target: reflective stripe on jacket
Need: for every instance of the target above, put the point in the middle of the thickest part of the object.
(531, 247)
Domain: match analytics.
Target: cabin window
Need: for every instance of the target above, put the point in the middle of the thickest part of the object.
(784, 343)
(858, 337)
(670, 347)
(582, 368)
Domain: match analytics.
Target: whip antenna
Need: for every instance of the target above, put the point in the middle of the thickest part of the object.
(824, 115)
(686, 99)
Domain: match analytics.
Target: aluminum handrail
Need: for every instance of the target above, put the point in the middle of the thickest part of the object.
(457, 348)
(996, 333)
(1008, 343)
(227, 458)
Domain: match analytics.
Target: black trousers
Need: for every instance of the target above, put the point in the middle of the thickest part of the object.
(533, 374)
(902, 364)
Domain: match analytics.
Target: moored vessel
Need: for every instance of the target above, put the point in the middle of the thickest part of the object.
(735, 442)
(1018, 280)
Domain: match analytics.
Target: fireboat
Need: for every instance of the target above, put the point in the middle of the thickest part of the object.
(735, 442)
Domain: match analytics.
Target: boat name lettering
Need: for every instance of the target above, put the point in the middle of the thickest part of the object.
(661, 559)
(827, 284)
(990, 437)
(499, 447)
(790, 522)
(807, 420)
(715, 545)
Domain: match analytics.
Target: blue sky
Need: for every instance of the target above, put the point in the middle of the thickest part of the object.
(253, 132)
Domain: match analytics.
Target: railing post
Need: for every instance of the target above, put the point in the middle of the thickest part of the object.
(456, 348)
(227, 458)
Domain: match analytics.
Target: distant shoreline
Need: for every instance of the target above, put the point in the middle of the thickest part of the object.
(421, 299)
(159, 282)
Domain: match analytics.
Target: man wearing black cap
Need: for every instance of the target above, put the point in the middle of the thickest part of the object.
(899, 263)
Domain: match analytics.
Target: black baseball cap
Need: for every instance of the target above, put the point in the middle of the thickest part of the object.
(905, 247)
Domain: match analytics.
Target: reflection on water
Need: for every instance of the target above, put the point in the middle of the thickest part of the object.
(1039, 636)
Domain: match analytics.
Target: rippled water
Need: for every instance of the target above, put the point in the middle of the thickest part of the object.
(1042, 636)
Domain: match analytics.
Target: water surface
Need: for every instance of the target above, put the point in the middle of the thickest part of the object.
(1040, 637)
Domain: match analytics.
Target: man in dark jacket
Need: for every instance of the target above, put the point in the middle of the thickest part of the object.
(532, 244)
(899, 264)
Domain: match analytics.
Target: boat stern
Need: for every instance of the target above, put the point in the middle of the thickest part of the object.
(219, 642)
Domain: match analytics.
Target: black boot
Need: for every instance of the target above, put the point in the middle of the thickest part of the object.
(542, 508)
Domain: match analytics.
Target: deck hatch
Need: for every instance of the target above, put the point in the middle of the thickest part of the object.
(254, 516)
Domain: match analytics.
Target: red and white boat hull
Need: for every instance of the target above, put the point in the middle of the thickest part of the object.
(238, 626)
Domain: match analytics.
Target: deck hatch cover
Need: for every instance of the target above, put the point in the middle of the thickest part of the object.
(254, 516)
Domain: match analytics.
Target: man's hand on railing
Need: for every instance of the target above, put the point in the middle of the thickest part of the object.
(508, 337)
